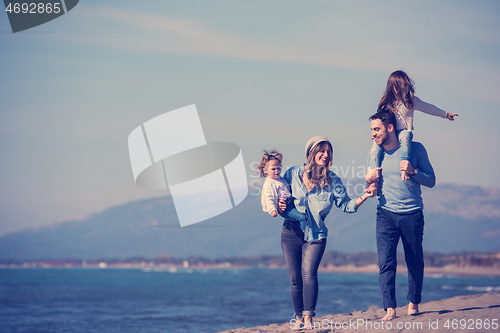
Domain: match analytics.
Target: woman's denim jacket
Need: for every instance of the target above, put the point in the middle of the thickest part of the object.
(318, 202)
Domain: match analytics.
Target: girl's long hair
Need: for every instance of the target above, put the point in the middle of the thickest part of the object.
(312, 168)
(395, 92)
(266, 157)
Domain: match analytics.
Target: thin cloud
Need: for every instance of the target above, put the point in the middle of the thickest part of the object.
(170, 36)
(358, 39)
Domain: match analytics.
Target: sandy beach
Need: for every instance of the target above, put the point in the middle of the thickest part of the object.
(477, 313)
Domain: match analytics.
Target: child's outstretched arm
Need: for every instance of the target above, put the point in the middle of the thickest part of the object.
(428, 108)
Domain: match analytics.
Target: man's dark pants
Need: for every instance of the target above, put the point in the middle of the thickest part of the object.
(410, 228)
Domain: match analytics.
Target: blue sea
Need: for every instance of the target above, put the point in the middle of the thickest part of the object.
(187, 300)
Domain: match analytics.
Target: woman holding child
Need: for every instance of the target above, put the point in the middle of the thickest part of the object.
(315, 189)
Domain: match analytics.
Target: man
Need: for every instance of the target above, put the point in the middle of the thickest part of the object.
(399, 211)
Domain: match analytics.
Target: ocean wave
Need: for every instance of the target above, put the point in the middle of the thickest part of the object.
(485, 289)
(447, 287)
(161, 270)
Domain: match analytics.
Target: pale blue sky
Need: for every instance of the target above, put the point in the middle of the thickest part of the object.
(262, 74)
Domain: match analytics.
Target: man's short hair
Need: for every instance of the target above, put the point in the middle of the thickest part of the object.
(386, 117)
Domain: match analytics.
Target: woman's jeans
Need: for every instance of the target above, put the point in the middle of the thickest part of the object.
(405, 138)
(302, 259)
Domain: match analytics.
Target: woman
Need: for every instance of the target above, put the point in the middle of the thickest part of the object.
(314, 190)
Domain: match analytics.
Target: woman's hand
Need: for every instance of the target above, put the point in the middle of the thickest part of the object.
(281, 206)
(371, 190)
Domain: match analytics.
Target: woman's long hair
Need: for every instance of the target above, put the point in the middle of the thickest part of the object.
(322, 173)
(399, 89)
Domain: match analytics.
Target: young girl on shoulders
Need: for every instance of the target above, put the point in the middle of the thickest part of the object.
(399, 97)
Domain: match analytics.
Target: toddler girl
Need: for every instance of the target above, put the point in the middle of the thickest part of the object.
(276, 189)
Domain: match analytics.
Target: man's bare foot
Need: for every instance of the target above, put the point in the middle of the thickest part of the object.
(404, 175)
(412, 309)
(391, 314)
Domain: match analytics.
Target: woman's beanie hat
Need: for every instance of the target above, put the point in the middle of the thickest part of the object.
(313, 142)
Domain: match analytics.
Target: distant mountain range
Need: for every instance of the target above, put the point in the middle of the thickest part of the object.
(458, 218)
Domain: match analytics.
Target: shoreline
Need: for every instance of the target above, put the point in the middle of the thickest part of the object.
(478, 312)
(367, 269)
(445, 270)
